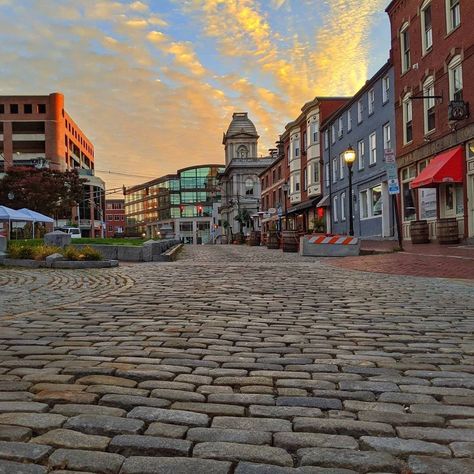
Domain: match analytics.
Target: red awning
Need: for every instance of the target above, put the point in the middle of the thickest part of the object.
(445, 168)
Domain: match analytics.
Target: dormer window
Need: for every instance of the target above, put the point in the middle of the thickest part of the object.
(242, 152)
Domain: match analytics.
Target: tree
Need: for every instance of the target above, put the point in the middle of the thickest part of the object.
(49, 192)
(244, 219)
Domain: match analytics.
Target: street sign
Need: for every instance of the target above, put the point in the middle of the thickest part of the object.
(389, 155)
(392, 172)
(393, 186)
(279, 211)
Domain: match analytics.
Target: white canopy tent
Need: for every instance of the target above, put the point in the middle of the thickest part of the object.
(37, 217)
(9, 215)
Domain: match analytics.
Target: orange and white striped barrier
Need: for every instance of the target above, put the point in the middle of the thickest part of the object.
(329, 246)
(334, 240)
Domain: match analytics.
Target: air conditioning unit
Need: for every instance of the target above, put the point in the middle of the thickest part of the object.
(458, 110)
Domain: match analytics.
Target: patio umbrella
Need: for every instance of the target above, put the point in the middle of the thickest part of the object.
(36, 216)
(7, 214)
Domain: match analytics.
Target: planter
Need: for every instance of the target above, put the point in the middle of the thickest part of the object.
(254, 240)
(419, 232)
(290, 240)
(273, 242)
(239, 238)
(447, 231)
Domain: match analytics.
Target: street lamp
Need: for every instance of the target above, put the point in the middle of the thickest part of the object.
(349, 158)
(285, 189)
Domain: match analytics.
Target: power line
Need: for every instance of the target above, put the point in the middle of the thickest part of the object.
(125, 174)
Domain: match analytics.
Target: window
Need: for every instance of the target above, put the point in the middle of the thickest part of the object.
(373, 149)
(455, 79)
(297, 182)
(13, 108)
(429, 105)
(334, 170)
(361, 154)
(385, 89)
(359, 111)
(387, 137)
(242, 152)
(405, 47)
(326, 139)
(407, 119)
(343, 206)
(305, 179)
(249, 185)
(2, 108)
(304, 142)
(315, 132)
(327, 178)
(333, 134)
(334, 208)
(341, 166)
(371, 99)
(117, 217)
(453, 14)
(315, 173)
(296, 148)
(426, 27)
(41, 108)
(408, 194)
(28, 108)
(371, 202)
(349, 121)
(341, 127)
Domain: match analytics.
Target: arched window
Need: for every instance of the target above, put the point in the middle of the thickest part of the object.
(429, 104)
(405, 47)
(242, 152)
(407, 119)
(455, 78)
(249, 185)
(426, 26)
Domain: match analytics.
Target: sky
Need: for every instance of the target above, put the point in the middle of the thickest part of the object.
(154, 83)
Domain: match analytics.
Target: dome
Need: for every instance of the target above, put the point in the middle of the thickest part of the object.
(241, 124)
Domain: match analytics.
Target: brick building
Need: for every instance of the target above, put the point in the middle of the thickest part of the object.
(272, 185)
(114, 217)
(433, 56)
(37, 131)
(302, 159)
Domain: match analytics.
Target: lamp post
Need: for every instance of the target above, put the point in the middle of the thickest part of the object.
(285, 189)
(349, 158)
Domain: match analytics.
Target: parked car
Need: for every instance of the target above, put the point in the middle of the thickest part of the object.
(74, 232)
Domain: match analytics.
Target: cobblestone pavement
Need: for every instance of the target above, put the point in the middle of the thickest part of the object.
(235, 360)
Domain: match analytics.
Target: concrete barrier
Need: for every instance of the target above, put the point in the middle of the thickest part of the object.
(150, 251)
(329, 246)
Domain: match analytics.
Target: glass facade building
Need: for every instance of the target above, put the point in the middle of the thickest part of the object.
(183, 205)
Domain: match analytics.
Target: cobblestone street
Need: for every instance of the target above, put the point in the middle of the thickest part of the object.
(235, 360)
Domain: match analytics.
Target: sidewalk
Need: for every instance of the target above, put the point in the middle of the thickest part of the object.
(429, 260)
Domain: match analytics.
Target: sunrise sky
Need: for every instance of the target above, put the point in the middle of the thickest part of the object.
(153, 83)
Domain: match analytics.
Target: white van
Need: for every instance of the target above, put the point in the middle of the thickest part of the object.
(74, 232)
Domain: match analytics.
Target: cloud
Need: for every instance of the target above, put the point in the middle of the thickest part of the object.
(154, 83)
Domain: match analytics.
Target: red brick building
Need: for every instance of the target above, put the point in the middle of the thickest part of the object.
(272, 181)
(433, 56)
(37, 131)
(37, 128)
(114, 217)
(302, 162)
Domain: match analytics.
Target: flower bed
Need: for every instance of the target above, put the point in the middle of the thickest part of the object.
(18, 251)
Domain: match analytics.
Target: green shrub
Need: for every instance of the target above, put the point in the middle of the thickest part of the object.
(23, 252)
(88, 253)
(42, 251)
(71, 253)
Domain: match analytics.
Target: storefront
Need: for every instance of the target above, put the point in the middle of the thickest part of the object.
(434, 189)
